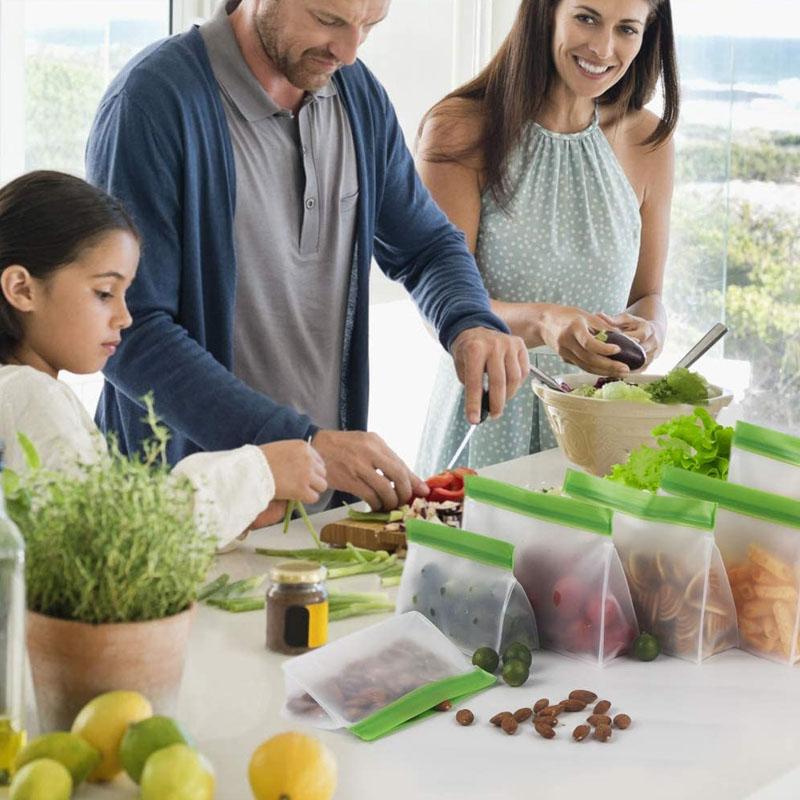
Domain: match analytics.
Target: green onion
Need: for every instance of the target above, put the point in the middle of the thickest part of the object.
(238, 604)
(213, 587)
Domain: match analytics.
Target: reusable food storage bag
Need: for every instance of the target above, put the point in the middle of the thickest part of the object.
(379, 678)
(465, 585)
(758, 534)
(674, 569)
(565, 560)
(765, 459)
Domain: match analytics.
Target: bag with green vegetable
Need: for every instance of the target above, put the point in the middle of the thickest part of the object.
(674, 569)
(376, 680)
(566, 563)
(765, 459)
(465, 585)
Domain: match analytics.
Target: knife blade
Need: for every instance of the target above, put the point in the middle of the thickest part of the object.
(471, 430)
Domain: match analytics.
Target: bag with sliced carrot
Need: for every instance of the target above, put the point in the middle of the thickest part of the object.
(758, 534)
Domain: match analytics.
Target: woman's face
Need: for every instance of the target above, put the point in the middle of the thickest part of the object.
(595, 41)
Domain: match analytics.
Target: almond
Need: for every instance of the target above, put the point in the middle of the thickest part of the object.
(598, 719)
(497, 719)
(544, 730)
(602, 733)
(521, 714)
(622, 721)
(445, 705)
(510, 725)
(540, 704)
(583, 694)
(581, 732)
(465, 717)
(602, 707)
(573, 704)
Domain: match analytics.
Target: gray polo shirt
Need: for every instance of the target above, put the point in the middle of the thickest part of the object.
(294, 233)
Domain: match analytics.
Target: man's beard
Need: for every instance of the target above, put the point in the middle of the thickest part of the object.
(297, 72)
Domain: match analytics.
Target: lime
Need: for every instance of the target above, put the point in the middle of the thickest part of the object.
(486, 658)
(103, 721)
(142, 739)
(646, 647)
(76, 754)
(518, 652)
(43, 779)
(177, 772)
(515, 673)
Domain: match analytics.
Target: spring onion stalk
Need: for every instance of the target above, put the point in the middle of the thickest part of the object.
(238, 604)
(398, 515)
(390, 580)
(301, 508)
(240, 588)
(213, 587)
(359, 609)
(361, 569)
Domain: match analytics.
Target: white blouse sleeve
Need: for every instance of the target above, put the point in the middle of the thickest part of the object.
(49, 413)
(232, 488)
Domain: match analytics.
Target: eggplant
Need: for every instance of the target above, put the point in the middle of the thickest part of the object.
(630, 353)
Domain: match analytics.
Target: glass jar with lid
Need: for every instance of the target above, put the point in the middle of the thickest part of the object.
(297, 607)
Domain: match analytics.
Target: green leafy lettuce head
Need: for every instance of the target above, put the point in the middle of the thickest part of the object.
(117, 541)
(679, 386)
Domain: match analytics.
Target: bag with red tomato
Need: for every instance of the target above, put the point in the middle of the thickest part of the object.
(464, 584)
(565, 560)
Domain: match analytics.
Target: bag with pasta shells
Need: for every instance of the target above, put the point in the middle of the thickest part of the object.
(765, 459)
(675, 573)
(758, 534)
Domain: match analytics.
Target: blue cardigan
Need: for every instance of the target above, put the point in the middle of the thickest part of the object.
(160, 143)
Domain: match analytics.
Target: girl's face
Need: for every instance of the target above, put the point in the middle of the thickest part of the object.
(78, 313)
(595, 41)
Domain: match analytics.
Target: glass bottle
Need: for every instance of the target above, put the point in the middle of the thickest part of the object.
(12, 638)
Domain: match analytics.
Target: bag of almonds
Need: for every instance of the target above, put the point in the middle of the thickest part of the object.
(678, 584)
(465, 585)
(758, 534)
(565, 560)
(376, 680)
(765, 459)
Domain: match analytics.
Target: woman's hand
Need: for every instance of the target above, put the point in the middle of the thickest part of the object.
(570, 331)
(298, 470)
(642, 330)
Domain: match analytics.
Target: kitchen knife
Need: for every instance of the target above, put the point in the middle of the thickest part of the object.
(468, 436)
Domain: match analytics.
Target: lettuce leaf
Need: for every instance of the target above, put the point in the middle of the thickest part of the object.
(679, 386)
(694, 442)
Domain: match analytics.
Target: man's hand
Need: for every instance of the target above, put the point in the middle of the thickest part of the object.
(502, 357)
(362, 464)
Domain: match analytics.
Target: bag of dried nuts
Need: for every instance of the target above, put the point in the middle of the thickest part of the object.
(379, 678)
(565, 560)
(464, 584)
(758, 534)
(678, 584)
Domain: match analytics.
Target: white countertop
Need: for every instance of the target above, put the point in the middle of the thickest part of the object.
(724, 729)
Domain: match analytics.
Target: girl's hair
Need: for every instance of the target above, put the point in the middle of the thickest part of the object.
(511, 90)
(47, 219)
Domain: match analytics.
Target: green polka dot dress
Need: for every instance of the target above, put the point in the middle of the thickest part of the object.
(569, 235)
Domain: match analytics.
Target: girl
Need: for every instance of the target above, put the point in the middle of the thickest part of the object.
(561, 182)
(68, 253)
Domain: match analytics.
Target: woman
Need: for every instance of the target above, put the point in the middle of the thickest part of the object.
(561, 181)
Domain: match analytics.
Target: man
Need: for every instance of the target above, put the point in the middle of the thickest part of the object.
(265, 166)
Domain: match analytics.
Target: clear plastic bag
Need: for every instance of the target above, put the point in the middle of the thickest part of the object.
(565, 560)
(377, 679)
(464, 584)
(674, 569)
(758, 534)
(765, 459)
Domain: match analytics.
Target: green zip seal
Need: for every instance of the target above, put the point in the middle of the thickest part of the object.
(636, 503)
(457, 542)
(732, 496)
(417, 703)
(549, 507)
(767, 442)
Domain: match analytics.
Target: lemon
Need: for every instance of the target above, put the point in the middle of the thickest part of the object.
(143, 739)
(292, 766)
(42, 779)
(102, 722)
(76, 754)
(177, 772)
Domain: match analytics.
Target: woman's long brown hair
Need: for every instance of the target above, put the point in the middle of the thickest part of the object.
(511, 90)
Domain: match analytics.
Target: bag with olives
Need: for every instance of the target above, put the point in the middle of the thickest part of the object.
(674, 569)
(565, 560)
(465, 585)
(380, 678)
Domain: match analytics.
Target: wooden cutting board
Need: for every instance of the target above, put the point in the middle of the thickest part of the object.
(369, 535)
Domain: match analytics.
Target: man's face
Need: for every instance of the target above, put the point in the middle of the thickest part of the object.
(308, 40)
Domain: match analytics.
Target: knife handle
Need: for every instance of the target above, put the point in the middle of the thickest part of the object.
(484, 405)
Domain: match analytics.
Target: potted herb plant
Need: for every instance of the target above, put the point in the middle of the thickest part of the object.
(114, 561)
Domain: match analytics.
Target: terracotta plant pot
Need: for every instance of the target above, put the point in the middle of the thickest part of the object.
(72, 662)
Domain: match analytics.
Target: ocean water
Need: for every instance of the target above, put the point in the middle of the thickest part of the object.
(740, 83)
